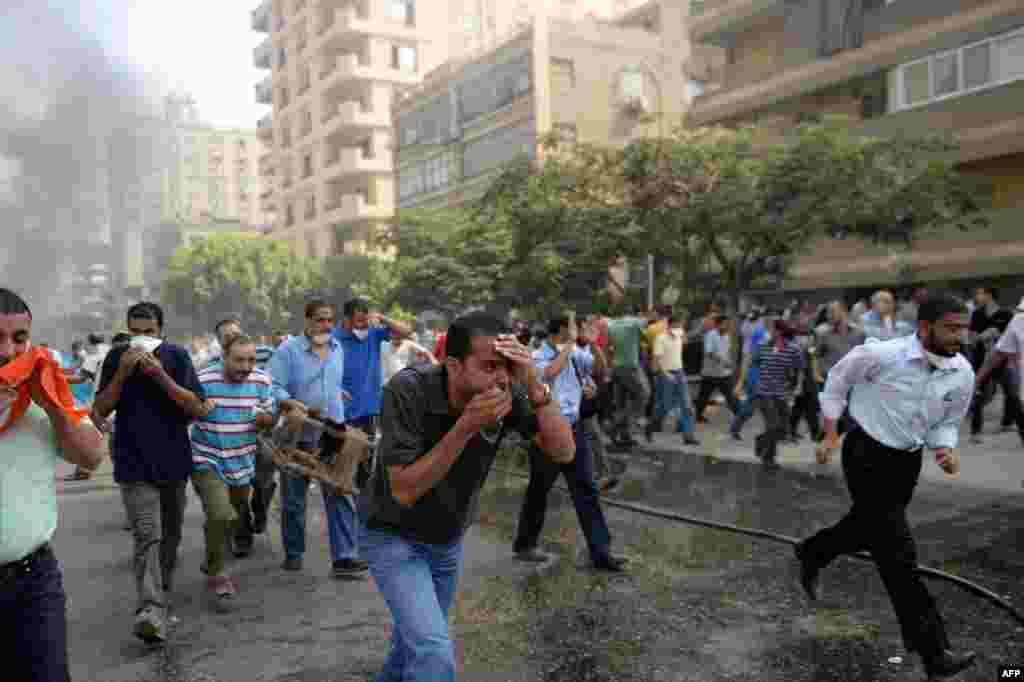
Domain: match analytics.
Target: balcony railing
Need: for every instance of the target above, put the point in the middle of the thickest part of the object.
(263, 54)
(261, 17)
(265, 91)
(351, 207)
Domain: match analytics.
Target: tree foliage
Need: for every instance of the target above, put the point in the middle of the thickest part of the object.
(260, 280)
(721, 210)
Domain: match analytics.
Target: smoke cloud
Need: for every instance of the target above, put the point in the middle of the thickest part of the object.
(82, 149)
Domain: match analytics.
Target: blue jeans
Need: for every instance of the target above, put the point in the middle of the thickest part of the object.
(33, 624)
(418, 581)
(674, 393)
(342, 520)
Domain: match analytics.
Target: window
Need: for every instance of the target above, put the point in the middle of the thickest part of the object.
(289, 215)
(985, 64)
(946, 70)
(403, 11)
(915, 83)
(307, 165)
(403, 58)
(977, 66)
(632, 83)
(1009, 57)
(312, 250)
(694, 88)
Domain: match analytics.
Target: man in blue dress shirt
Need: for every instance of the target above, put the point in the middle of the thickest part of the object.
(902, 396)
(307, 373)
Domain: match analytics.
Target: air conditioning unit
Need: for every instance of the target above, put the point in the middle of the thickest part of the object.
(637, 105)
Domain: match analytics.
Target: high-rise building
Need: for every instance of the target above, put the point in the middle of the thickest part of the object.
(893, 66)
(215, 175)
(336, 68)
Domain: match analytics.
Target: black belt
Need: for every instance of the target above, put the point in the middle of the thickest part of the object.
(24, 566)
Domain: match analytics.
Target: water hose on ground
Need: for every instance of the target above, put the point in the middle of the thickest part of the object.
(927, 571)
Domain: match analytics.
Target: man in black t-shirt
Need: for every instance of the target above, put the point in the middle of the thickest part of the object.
(988, 322)
(441, 430)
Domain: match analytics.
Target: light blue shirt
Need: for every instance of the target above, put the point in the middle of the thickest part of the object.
(300, 374)
(897, 397)
(875, 328)
(566, 386)
(28, 485)
(717, 357)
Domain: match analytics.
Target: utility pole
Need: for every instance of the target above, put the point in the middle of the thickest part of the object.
(650, 281)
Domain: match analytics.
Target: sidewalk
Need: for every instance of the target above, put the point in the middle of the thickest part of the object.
(996, 464)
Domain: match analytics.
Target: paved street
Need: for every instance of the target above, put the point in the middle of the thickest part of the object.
(292, 628)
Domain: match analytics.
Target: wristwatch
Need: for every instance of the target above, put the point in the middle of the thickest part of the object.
(545, 401)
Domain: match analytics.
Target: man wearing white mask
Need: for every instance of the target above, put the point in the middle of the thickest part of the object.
(361, 343)
(154, 388)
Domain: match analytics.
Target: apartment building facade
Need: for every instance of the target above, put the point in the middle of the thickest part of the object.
(215, 175)
(893, 66)
(591, 81)
(336, 69)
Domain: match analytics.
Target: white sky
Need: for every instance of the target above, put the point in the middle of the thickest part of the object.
(203, 47)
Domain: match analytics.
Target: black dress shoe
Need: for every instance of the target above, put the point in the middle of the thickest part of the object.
(649, 432)
(610, 564)
(349, 569)
(808, 572)
(949, 664)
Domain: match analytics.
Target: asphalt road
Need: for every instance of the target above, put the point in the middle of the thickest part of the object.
(298, 627)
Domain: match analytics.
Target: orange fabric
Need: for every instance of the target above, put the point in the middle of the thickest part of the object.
(16, 374)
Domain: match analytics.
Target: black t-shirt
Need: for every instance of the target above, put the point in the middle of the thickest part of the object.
(151, 442)
(415, 416)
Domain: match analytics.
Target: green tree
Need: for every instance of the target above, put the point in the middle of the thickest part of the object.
(742, 206)
(259, 279)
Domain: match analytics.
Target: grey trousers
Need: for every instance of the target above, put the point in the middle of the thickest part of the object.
(156, 514)
(633, 390)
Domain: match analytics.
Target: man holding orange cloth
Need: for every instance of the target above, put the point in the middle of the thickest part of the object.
(38, 424)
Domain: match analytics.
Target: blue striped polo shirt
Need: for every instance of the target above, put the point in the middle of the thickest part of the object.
(225, 440)
(777, 368)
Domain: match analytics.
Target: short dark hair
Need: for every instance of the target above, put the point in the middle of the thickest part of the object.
(12, 304)
(77, 346)
(937, 306)
(555, 325)
(991, 291)
(355, 305)
(120, 338)
(146, 310)
(315, 305)
(676, 317)
(231, 319)
(96, 339)
(462, 331)
(235, 340)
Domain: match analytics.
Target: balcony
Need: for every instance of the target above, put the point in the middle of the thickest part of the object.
(265, 91)
(261, 17)
(347, 67)
(349, 115)
(353, 208)
(719, 19)
(342, 23)
(350, 161)
(788, 83)
(263, 54)
(265, 125)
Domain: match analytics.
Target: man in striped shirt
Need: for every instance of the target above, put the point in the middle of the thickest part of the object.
(224, 448)
(781, 364)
